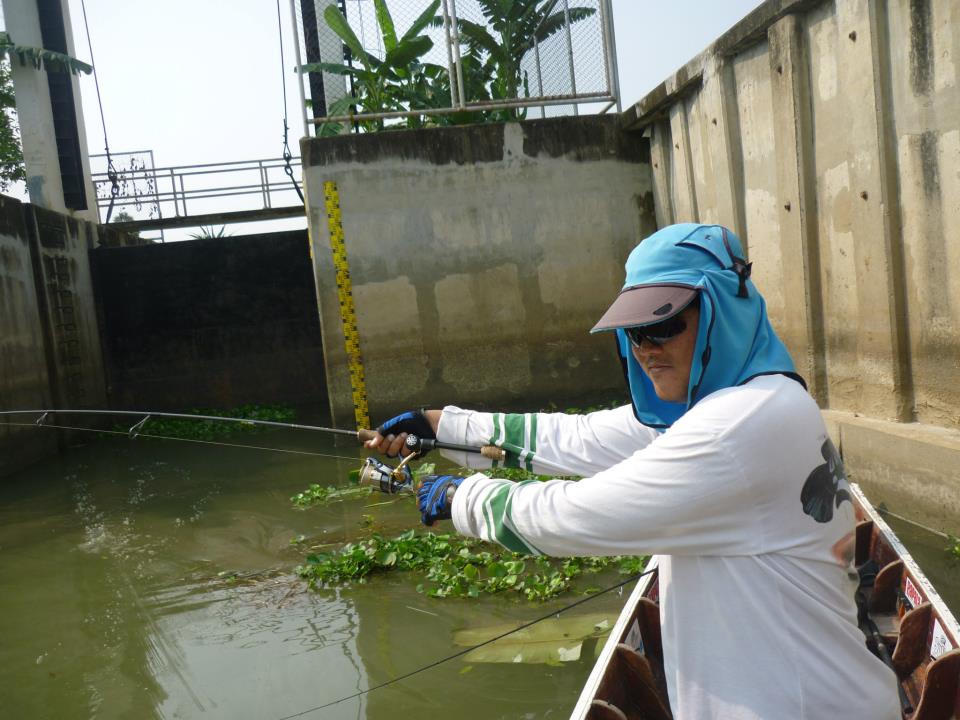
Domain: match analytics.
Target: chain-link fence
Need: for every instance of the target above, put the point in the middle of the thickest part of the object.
(367, 64)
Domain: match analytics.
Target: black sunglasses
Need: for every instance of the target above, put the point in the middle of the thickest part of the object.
(659, 333)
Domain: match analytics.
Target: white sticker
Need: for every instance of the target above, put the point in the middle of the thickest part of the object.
(634, 638)
(913, 595)
(940, 644)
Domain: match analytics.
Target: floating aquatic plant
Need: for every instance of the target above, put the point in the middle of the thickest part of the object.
(321, 495)
(214, 430)
(455, 566)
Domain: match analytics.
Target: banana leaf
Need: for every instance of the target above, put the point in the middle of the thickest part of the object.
(548, 642)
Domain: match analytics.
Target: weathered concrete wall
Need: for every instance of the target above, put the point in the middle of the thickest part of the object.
(60, 245)
(50, 343)
(210, 323)
(480, 258)
(828, 135)
(23, 364)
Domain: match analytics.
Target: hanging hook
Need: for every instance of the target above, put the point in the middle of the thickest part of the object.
(135, 430)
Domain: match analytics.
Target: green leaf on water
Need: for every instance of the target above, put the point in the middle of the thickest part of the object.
(425, 469)
(387, 558)
(552, 641)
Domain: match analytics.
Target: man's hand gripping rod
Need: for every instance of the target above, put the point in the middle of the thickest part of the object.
(393, 480)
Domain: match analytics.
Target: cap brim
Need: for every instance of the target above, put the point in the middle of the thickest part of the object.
(645, 305)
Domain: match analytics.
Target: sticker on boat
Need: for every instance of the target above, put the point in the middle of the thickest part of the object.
(913, 595)
(634, 639)
(940, 644)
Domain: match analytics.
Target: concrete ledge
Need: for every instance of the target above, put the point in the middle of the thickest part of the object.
(911, 467)
(582, 139)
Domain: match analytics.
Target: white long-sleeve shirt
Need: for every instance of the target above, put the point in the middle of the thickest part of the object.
(756, 599)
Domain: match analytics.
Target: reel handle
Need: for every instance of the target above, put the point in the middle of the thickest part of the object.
(423, 445)
(420, 446)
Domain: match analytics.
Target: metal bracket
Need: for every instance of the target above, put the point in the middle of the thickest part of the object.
(135, 430)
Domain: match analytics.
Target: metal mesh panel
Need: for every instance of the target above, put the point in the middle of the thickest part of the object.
(559, 58)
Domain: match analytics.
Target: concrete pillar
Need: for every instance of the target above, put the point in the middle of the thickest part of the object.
(802, 330)
(35, 113)
(721, 144)
(660, 157)
(684, 191)
(882, 343)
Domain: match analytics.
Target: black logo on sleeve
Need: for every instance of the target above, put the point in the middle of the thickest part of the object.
(826, 487)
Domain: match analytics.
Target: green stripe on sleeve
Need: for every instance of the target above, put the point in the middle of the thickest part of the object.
(513, 425)
(495, 510)
(496, 439)
(508, 519)
(531, 439)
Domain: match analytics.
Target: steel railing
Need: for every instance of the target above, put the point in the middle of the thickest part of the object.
(182, 190)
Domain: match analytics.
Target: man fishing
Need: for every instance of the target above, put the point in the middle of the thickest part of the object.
(721, 465)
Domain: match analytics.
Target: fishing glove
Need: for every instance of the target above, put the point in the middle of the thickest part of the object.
(412, 422)
(435, 497)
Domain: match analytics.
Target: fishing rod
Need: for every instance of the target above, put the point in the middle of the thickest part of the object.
(374, 472)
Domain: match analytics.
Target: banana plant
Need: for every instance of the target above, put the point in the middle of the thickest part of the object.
(39, 57)
(400, 81)
(516, 25)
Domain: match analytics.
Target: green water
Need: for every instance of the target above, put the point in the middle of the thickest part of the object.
(152, 579)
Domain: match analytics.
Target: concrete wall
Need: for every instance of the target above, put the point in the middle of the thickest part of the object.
(828, 135)
(23, 364)
(49, 339)
(480, 258)
(60, 246)
(210, 323)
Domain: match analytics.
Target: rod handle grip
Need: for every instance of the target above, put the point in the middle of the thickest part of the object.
(492, 452)
(363, 435)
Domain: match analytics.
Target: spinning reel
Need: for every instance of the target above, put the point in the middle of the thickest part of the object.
(392, 480)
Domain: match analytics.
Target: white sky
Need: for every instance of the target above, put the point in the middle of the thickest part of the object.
(198, 81)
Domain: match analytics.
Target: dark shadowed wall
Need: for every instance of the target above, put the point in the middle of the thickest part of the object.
(210, 323)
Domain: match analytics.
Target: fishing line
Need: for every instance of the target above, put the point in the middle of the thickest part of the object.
(455, 655)
(190, 440)
(884, 511)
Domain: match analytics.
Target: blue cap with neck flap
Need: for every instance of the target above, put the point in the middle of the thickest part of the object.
(735, 341)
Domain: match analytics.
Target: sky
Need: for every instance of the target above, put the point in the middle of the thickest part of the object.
(199, 81)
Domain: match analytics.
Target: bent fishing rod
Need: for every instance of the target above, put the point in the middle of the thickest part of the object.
(373, 472)
(416, 445)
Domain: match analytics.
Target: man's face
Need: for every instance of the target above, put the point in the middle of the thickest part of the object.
(668, 363)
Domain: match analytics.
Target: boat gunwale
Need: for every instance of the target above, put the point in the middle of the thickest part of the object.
(940, 610)
(618, 631)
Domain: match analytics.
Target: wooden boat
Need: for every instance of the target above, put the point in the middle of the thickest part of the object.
(914, 629)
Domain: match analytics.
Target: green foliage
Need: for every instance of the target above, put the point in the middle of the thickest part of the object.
(505, 473)
(454, 566)
(400, 81)
(953, 549)
(321, 495)
(212, 429)
(122, 217)
(516, 27)
(11, 154)
(210, 233)
(491, 58)
(38, 57)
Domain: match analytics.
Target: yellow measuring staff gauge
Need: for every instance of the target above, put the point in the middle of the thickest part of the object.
(348, 315)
